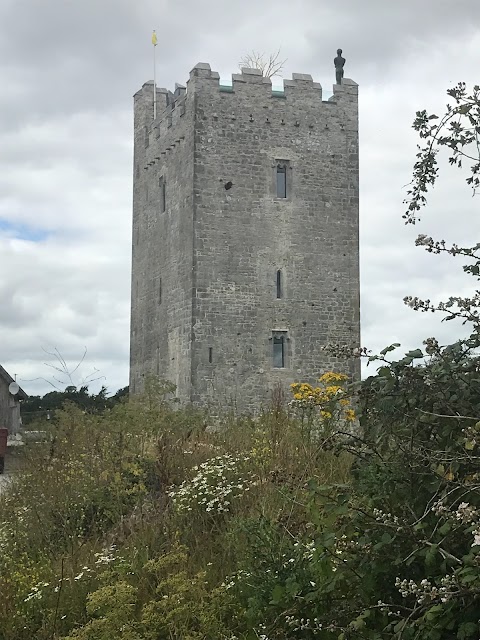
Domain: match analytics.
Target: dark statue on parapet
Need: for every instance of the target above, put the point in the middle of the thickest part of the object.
(339, 63)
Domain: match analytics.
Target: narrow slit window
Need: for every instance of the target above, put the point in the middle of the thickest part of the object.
(160, 291)
(279, 283)
(281, 181)
(210, 355)
(279, 352)
(163, 195)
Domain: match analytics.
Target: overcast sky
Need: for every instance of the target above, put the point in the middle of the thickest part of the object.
(68, 71)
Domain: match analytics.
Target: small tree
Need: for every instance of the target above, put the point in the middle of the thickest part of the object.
(68, 387)
(458, 131)
(270, 65)
(65, 374)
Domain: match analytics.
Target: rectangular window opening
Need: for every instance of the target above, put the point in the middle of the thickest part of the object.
(281, 181)
(279, 283)
(210, 355)
(163, 195)
(279, 351)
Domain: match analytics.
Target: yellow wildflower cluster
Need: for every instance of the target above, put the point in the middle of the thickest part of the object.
(305, 391)
(328, 396)
(350, 415)
(330, 376)
(316, 395)
(261, 451)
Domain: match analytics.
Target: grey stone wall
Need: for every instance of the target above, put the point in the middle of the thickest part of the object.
(161, 316)
(218, 250)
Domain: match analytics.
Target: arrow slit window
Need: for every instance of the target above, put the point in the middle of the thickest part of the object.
(279, 284)
(163, 194)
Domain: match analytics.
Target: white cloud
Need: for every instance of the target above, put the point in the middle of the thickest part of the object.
(66, 153)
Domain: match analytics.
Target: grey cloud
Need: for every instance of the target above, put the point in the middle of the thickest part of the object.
(378, 35)
(70, 70)
(71, 55)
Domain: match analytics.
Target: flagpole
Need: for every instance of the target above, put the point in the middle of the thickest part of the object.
(154, 42)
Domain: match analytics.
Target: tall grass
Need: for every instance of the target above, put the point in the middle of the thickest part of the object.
(94, 539)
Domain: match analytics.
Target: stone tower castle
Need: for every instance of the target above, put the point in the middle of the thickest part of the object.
(245, 235)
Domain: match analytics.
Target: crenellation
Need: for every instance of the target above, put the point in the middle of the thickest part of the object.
(348, 90)
(295, 90)
(202, 74)
(164, 98)
(250, 76)
(180, 90)
(250, 71)
(305, 77)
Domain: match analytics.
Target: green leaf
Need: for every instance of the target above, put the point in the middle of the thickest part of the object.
(277, 594)
(470, 578)
(441, 470)
(359, 623)
(399, 626)
(416, 353)
(467, 630)
(430, 555)
(392, 347)
(384, 372)
(327, 539)
(311, 596)
(410, 560)
(292, 587)
(431, 614)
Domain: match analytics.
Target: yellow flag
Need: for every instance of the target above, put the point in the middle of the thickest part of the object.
(154, 39)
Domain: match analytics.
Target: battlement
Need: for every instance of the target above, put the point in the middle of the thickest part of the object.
(202, 76)
(250, 83)
(299, 104)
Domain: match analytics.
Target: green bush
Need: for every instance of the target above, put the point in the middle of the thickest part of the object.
(146, 526)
